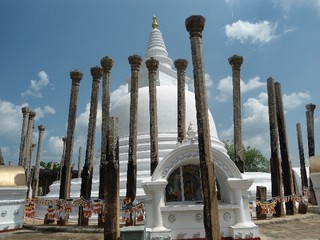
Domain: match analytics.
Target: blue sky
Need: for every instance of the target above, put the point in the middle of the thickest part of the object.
(42, 41)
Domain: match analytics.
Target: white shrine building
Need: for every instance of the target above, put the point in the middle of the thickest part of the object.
(172, 195)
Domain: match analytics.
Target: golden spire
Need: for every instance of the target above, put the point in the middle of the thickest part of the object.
(154, 23)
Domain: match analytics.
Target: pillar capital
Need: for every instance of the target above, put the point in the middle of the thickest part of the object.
(96, 72)
(76, 76)
(135, 62)
(106, 64)
(152, 64)
(32, 115)
(25, 110)
(41, 128)
(310, 107)
(181, 64)
(235, 61)
(195, 25)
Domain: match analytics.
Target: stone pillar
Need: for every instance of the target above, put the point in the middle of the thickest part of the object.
(152, 64)
(112, 201)
(86, 182)
(153, 202)
(63, 156)
(287, 178)
(195, 26)
(181, 65)
(311, 148)
(106, 64)
(135, 63)
(76, 77)
(28, 141)
(29, 170)
(79, 162)
(235, 62)
(303, 173)
(310, 128)
(38, 159)
(275, 161)
(1, 158)
(25, 112)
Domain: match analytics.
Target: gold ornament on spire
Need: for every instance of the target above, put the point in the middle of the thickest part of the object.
(154, 23)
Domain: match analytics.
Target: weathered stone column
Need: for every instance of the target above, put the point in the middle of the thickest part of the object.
(1, 158)
(310, 128)
(275, 161)
(25, 112)
(106, 64)
(38, 159)
(64, 139)
(152, 64)
(65, 183)
(181, 65)
(112, 201)
(29, 170)
(79, 161)
(284, 149)
(86, 182)
(303, 173)
(311, 148)
(28, 141)
(235, 62)
(195, 26)
(135, 63)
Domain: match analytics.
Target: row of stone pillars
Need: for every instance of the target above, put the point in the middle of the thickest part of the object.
(281, 171)
(26, 150)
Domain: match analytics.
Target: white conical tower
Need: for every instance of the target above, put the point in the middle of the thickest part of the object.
(156, 47)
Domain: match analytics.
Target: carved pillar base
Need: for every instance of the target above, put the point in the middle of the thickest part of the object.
(154, 201)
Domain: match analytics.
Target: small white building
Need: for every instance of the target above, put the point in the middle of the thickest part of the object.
(13, 191)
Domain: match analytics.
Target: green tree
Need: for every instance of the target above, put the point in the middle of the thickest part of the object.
(47, 165)
(254, 161)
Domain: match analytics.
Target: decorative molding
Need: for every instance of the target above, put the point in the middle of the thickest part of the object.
(160, 238)
(249, 235)
(171, 218)
(11, 202)
(4, 213)
(189, 155)
(227, 216)
(224, 167)
(199, 217)
(181, 235)
(177, 160)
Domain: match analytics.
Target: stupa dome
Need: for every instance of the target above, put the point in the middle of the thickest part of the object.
(166, 108)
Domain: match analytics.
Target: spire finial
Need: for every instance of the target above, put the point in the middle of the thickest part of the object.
(154, 23)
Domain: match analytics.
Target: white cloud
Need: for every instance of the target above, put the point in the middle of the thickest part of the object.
(255, 120)
(209, 84)
(287, 5)
(117, 94)
(259, 32)
(37, 85)
(56, 145)
(225, 87)
(41, 112)
(255, 124)
(10, 119)
(295, 100)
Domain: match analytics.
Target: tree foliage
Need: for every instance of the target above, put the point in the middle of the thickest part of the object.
(254, 161)
(47, 165)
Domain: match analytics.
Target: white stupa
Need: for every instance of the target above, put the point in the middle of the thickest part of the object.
(172, 195)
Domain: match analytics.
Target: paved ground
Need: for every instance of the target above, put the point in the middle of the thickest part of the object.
(302, 227)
